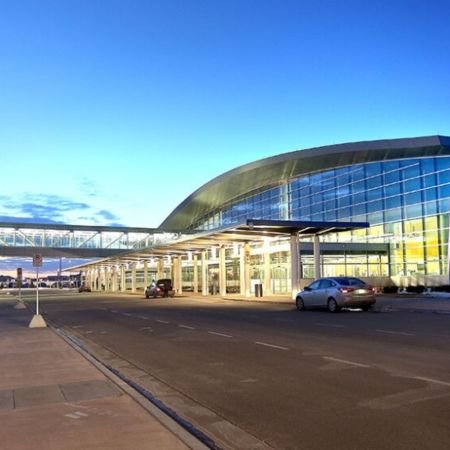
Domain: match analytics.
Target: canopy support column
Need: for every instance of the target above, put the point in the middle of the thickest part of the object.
(204, 274)
(295, 265)
(316, 248)
(222, 272)
(195, 264)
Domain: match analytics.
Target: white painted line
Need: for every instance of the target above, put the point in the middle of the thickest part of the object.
(279, 347)
(401, 333)
(220, 334)
(331, 325)
(127, 314)
(72, 416)
(431, 380)
(113, 311)
(344, 361)
(186, 326)
(145, 328)
(161, 321)
(89, 332)
(142, 317)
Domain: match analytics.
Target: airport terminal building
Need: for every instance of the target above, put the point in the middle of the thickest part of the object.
(395, 192)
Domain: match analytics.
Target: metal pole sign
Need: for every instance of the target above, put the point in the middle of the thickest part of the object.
(37, 262)
(19, 281)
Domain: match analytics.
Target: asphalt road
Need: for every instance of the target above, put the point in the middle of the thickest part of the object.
(292, 380)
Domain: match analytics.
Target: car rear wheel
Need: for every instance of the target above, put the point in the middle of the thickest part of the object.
(300, 303)
(333, 306)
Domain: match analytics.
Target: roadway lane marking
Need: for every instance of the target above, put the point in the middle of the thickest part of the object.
(220, 334)
(145, 328)
(279, 347)
(344, 361)
(331, 325)
(142, 317)
(113, 311)
(431, 380)
(162, 321)
(401, 333)
(186, 326)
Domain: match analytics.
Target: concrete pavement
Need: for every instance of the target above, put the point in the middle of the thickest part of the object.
(53, 397)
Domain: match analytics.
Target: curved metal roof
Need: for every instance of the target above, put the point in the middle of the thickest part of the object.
(277, 169)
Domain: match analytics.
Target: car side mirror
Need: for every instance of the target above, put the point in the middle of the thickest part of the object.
(307, 288)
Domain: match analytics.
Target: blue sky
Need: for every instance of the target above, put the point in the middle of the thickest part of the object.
(114, 111)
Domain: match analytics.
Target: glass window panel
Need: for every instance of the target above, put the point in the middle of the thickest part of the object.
(442, 163)
(373, 169)
(374, 182)
(390, 165)
(330, 204)
(413, 211)
(357, 173)
(411, 171)
(305, 212)
(427, 165)
(392, 189)
(444, 205)
(359, 186)
(344, 212)
(343, 190)
(444, 177)
(429, 180)
(412, 185)
(375, 206)
(444, 191)
(316, 198)
(359, 198)
(375, 218)
(305, 191)
(413, 197)
(306, 201)
(359, 209)
(430, 194)
(343, 178)
(393, 215)
(330, 215)
(392, 177)
(374, 194)
(343, 201)
(430, 208)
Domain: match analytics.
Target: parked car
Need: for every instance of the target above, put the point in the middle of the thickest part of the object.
(336, 293)
(162, 288)
(84, 288)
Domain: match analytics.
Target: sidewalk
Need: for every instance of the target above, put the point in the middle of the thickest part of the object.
(437, 302)
(53, 398)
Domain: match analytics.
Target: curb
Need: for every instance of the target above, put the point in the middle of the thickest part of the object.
(182, 429)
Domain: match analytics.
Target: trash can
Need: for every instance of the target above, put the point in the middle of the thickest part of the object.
(258, 290)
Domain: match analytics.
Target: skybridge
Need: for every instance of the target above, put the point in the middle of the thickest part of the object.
(18, 239)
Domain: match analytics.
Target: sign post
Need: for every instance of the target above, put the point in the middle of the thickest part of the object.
(37, 321)
(20, 304)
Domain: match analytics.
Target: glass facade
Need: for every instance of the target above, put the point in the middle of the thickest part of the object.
(406, 202)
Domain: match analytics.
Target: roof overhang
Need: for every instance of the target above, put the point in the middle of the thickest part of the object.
(252, 230)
